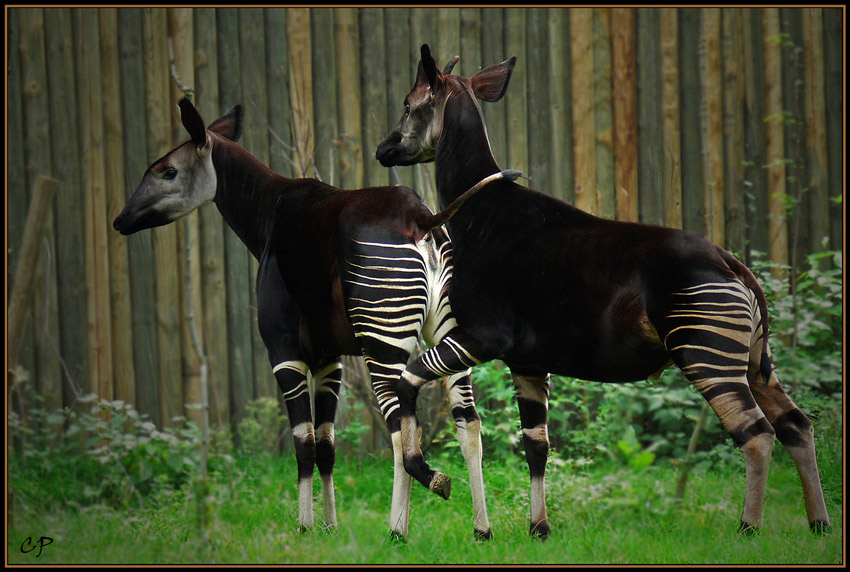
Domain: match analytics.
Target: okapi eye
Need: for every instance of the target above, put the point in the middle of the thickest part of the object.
(170, 174)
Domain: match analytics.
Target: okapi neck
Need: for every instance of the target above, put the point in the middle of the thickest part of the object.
(248, 194)
(463, 155)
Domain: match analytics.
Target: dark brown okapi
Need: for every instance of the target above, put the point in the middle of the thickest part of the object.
(340, 273)
(549, 288)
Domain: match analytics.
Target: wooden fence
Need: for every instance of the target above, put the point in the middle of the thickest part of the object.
(726, 121)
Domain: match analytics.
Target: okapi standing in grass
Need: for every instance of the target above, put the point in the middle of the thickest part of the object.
(549, 288)
(341, 273)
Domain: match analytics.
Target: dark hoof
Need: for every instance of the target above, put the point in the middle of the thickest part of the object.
(396, 537)
(820, 527)
(483, 536)
(441, 485)
(303, 528)
(540, 530)
(747, 529)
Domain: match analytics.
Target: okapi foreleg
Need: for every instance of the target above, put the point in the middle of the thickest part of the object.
(328, 381)
(532, 399)
(468, 425)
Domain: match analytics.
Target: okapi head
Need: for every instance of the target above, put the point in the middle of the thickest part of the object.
(415, 138)
(183, 179)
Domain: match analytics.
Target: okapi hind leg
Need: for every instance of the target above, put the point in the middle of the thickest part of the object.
(533, 398)
(328, 383)
(708, 333)
(468, 425)
(796, 433)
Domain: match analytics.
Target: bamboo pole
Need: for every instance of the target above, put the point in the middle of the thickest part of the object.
(214, 292)
(559, 101)
(582, 103)
(733, 131)
(603, 114)
(119, 275)
(423, 31)
(670, 126)
(166, 262)
(70, 224)
(301, 87)
(815, 117)
(775, 140)
(625, 101)
(517, 109)
(713, 123)
(347, 40)
(539, 121)
(140, 244)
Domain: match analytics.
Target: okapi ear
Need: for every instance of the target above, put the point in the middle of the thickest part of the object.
(490, 83)
(192, 121)
(429, 66)
(230, 124)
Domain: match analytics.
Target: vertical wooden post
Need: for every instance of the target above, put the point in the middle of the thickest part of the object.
(140, 244)
(756, 198)
(603, 113)
(214, 293)
(774, 138)
(650, 136)
(47, 376)
(834, 65)
(119, 271)
(325, 120)
(399, 80)
(815, 116)
(252, 76)
(70, 226)
(493, 51)
(517, 111)
(539, 121)
(167, 265)
(713, 126)
(181, 38)
(625, 103)
(90, 100)
(693, 176)
(584, 129)
(301, 87)
(373, 87)
(560, 102)
(671, 153)
(733, 131)
(470, 42)
(347, 41)
(236, 257)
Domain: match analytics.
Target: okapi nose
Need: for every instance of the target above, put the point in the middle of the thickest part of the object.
(116, 224)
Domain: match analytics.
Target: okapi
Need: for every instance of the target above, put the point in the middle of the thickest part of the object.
(550, 289)
(340, 273)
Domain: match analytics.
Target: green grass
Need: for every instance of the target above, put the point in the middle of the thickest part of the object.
(599, 515)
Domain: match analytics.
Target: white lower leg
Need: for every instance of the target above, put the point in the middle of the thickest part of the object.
(305, 502)
(469, 436)
(402, 482)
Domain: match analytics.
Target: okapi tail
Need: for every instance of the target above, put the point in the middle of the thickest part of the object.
(750, 281)
(439, 219)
